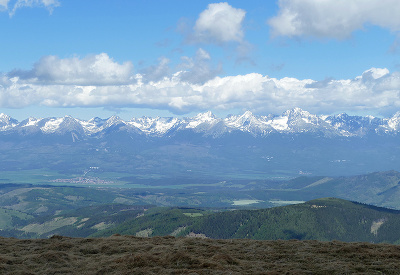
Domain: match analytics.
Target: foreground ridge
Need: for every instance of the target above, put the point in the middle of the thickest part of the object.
(169, 255)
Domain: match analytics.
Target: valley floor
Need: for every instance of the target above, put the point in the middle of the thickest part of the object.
(170, 255)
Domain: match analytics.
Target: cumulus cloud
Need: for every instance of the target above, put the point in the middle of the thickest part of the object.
(198, 69)
(219, 23)
(333, 18)
(11, 6)
(375, 90)
(92, 70)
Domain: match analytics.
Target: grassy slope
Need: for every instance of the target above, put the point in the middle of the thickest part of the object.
(78, 223)
(50, 200)
(161, 221)
(9, 218)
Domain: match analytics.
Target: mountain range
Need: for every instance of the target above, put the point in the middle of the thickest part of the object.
(236, 147)
(207, 124)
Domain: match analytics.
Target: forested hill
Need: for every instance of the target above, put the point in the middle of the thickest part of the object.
(322, 219)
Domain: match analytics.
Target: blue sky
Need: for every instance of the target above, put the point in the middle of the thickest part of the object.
(178, 57)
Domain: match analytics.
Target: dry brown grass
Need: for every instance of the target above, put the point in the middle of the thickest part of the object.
(170, 255)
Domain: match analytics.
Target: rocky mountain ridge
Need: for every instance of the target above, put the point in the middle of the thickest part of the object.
(207, 124)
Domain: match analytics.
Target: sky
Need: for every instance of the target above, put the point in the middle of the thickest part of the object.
(137, 58)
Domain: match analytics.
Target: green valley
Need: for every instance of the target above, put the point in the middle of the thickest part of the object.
(245, 208)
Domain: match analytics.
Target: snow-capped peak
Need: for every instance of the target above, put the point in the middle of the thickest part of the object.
(242, 121)
(300, 120)
(296, 112)
(6, 121)
(113, 120)
(247, 114)
(6, 118)
(52, 125)
(154, 126)
(279, 123)
(31, 121)
(394, 122)
(207, 117)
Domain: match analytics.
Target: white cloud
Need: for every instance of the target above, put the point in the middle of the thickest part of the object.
(92, 70)
(198, 69)
(3, 5)
(222, 25)
(333, 18)
(157, 72)
(219, 23)
(87, 83)
(202, 54)
(11, 6)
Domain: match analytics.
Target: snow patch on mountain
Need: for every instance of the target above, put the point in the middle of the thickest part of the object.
(7, 122)
(394, 122)
(157, 126)
(52, 125)
(207, 117)
(30, 122)
(93, 125)
(279, 123)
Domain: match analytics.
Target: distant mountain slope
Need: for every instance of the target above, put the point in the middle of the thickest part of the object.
(378, 188)
(49, 200)
(321, 219)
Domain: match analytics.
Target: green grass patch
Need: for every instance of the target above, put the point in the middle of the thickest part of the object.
(9, 217)
(34, 176)
(193, 215)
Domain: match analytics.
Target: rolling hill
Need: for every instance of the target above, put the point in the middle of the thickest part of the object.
(324, 219)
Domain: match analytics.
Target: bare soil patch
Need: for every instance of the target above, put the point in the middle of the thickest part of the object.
(170, 255)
